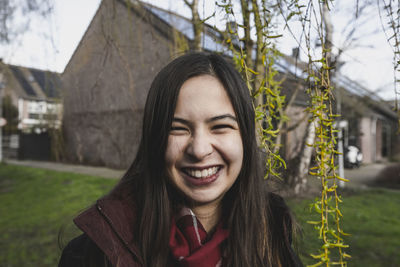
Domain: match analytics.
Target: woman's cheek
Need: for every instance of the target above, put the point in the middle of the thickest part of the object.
(174, 149)
(232, 147)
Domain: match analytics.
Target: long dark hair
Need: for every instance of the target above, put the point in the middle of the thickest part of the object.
(256, 237)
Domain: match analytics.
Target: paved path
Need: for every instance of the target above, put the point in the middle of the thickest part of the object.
(361, 177)
(364, 175)
(89, 170)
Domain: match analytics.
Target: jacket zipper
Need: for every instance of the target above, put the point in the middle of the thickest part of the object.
(134, 253)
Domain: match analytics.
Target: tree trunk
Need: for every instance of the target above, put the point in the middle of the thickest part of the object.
(248, 43)
(197, 24)
(300, 179)
(258, 63)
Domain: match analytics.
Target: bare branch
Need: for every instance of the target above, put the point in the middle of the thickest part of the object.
(10, 26)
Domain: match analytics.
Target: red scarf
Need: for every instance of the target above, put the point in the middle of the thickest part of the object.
(190, 246)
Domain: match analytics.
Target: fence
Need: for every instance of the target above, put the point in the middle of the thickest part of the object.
(27, 146)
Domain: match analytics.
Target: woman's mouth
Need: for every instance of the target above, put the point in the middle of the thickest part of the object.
(201, 173)
(201, 176)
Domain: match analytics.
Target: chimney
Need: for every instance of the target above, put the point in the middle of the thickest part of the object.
(295, 52)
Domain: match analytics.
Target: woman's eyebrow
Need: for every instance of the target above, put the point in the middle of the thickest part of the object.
(221, 117)
(216, 118)
(177, 119)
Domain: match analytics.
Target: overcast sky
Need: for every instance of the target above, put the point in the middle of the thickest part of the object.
(51, 45)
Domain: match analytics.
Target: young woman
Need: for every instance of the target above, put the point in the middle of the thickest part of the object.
(194, 196)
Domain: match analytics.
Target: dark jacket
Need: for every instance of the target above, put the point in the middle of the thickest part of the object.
(108, 234)
(108, 238)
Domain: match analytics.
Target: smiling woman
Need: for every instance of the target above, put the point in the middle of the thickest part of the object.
(194, 196)
(204, 152)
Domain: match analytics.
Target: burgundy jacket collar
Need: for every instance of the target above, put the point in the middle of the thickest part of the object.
(110, 224)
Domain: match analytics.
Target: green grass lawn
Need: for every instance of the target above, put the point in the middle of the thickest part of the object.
(35, 204)
(372, 217)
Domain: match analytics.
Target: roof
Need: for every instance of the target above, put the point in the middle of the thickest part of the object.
(211, 38)
(19, 76)
(35, 83)
(49, 82)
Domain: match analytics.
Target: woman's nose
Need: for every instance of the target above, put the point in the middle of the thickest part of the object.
(200, 146)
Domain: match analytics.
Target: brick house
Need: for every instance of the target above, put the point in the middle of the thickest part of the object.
(36, 94)
(31, 102)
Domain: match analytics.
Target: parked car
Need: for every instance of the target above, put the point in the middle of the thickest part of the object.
(352, 157)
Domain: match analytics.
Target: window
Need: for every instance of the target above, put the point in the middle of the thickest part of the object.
(33, 116)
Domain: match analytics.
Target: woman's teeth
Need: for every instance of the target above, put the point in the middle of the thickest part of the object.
(202, 173)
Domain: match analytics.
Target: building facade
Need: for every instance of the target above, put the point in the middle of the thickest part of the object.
(109, 75)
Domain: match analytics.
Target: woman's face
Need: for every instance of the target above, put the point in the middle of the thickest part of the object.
(204, 153)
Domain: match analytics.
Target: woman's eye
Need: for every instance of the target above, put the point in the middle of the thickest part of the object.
(178, 129)
(222, 126)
